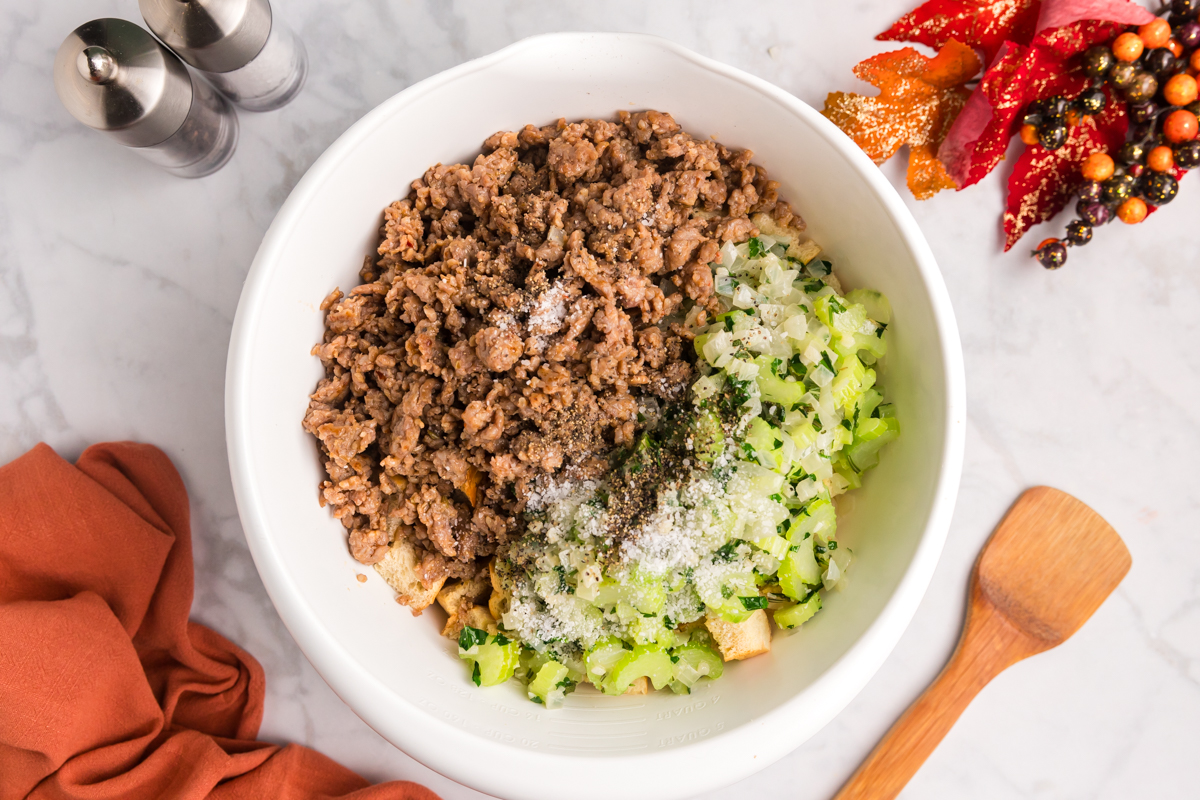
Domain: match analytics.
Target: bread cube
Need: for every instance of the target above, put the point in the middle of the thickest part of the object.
(740, 640)
(400, 569)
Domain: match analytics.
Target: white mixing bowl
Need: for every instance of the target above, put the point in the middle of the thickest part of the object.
(394, 669)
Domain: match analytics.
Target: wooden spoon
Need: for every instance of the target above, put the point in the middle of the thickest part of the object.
(1046, 569)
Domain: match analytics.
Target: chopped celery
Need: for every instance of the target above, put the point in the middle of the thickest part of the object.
(648, 661)
(818, 518)
(694, 661)
(799, 569)
(867, 403)
(871, 434)
(793, 616)
(775, 545)
(600, 660)
(775, 389)
(708, 437)
(874, 303)
(850, 382)
(551, 684)
(763, 436)
(493, 660)
(843, 467)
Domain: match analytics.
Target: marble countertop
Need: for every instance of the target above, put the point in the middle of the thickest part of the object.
(118, 285)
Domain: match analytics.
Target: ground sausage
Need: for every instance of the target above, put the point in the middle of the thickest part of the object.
(518, 316)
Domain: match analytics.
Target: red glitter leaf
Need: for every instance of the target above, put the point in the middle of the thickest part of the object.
(979, 138)
(1043, 181)
(1078, 36)
(983, 24)
(918, 99)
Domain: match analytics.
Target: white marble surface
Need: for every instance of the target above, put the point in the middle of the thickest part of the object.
(118, 285)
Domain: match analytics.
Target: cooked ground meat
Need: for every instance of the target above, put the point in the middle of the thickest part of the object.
(520, 312)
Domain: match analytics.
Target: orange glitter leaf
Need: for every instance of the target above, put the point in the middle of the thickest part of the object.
(918, 99)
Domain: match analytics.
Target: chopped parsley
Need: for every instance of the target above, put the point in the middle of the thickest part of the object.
(471, 637)
(752, 603)
(755, 248)
(726, 552)
(827, 362)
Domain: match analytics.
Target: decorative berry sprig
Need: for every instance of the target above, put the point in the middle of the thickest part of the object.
(1061, 74)
(1153, 69)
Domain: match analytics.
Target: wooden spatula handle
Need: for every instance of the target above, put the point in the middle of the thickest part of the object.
(988, 645)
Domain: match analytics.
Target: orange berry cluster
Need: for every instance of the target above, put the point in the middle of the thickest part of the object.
(1153, 69)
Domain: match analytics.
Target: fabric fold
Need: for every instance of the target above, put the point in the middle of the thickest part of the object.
(107, 690)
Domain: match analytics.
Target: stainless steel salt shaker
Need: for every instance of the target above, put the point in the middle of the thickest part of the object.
(113, 76)
(239, 45)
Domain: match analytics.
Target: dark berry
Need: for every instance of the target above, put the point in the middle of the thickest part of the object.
(1094, 214)
(1032, 118)
(1193, 107)
(1056, 106)
(1052, 135)
(1098, 60)
(1187, 155)
(1079, 232)
(1175, 19)
(1184, 7)
(1141, 131)
(1160, 188)
(1091, 101)
(1143, 112)
(1188, 35)
(1143, 87)
(1051, 254)
(1160, 61)
(1118, 188)
(1090, 191)
(1122, 75)
(1131, 153)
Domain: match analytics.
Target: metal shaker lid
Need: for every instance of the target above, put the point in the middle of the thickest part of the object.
(112, 76)
(212, 35)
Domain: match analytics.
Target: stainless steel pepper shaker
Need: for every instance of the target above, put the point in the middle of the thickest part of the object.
(113, 76)
(239, 45)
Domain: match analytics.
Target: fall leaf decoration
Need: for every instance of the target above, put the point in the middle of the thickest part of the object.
(982, 24)
(919, 97)
(1034, 52)
(1021, 74)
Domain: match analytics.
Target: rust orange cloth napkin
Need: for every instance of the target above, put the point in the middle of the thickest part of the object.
(106, 689)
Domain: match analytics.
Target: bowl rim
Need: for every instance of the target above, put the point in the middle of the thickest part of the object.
(501, 769)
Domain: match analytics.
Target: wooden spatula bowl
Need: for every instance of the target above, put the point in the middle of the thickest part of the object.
(1044, 572)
